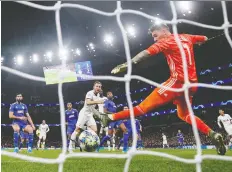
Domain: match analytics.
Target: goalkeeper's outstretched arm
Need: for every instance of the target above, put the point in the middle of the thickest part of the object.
(138, 58)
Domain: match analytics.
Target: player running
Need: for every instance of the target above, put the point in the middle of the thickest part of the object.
(226, 120)
(17, 112)
(110, 107)
(43, 130)
(71, 116)
(165, 43)
(86, 114)
(180, 139)
(165, 142)
(23, 138)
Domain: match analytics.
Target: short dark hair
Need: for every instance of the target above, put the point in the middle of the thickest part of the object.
(109, 92)
(97, 82)
(221, 109)
(19, 94)
(158, 27)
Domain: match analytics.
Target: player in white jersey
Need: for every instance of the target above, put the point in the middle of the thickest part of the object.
(43, 129)
(226, 120)
(165, 142)
(86, 114)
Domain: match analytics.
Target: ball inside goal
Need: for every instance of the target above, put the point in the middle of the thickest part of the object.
(89, 140)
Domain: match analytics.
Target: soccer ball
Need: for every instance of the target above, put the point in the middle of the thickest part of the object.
(37, 132)
(89, 140)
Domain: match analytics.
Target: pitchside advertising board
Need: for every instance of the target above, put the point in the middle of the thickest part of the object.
(51, 73)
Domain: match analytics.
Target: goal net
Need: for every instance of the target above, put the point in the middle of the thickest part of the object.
(127, 78)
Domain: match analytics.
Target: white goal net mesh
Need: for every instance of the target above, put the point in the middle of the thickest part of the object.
(127, 78)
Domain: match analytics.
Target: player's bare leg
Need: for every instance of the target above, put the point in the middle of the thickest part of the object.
(93, 127)
(29, 130)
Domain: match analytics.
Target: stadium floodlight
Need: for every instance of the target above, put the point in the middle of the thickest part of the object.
(35, 58)
(91, 46)
(158, 21)
(49, 54)
(184, 6)
(63, 52)
(131, 31)
(19, 60)
(78, 52)
(108, 39)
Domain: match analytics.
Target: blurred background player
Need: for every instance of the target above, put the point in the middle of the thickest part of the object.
(17, 112)
(43, 128)
(71, 116)
(23, 138)
(226, 120)
(180, 139)
(165, 142)
(165, 43)
(85, 117)
(110, 107)
(139, 131)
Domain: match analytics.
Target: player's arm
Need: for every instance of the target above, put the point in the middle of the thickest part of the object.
(152, 50)
(48, 129)
(219, 122)
(92, 102)
(198, 39)
(30, 121)
(66, 118)
(105, 107)
(12, 116)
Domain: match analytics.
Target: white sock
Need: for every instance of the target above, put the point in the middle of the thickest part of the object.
(71, 142)
(43, 144)
(38, 143)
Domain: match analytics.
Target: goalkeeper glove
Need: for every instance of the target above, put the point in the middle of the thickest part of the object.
(120, 68)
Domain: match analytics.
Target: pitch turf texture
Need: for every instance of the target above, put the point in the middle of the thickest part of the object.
(139, 163)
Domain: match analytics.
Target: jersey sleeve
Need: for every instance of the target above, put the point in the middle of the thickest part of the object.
(218, 121)
(197, 38)
(105, 104)
(26, 109)
(76, 113)
(11, 108)
(229, 116)
(157, 47)
(89, 95)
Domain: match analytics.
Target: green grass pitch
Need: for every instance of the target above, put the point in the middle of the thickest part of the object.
(139, 163)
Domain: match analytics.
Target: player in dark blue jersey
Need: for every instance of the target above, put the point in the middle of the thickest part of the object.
(71, 116)
(126, 136)
(138, 130)
(19, 113)
(24, 137)
(110, 107)
(180, 138)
